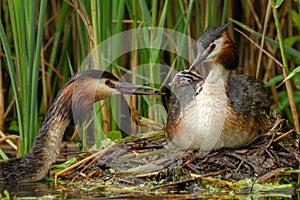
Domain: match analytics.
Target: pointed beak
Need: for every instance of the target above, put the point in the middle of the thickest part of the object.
(222, 28)
(128, 88)
(201, 57)
(203, 53)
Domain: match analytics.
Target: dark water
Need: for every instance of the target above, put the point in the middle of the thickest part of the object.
(47, 190)
(37, 189)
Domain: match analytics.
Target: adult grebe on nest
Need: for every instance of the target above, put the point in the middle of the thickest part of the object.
(224, 110)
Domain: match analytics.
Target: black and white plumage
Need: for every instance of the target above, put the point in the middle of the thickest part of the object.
(229, 111)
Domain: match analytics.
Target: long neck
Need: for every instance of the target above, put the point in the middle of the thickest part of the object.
(212, 102)
(35, 164)
(48, 141)
(216, 72)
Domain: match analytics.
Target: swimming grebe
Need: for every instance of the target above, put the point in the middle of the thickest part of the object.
(78, 95)
(224, 110)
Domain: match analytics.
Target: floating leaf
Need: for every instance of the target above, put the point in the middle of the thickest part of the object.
(111, 170)
(65, 164)
(114, 135)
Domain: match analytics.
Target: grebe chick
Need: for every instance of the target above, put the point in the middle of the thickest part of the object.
(229, 111)
(77, 95)
(187, 85)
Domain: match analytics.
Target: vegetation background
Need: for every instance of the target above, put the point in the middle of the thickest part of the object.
(44, 42)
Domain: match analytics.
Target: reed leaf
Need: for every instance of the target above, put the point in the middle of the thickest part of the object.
(62, 44)
(285, 65)
(28, 51)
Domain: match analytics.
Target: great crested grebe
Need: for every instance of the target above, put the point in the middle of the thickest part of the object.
(78, 95)
(222, 111)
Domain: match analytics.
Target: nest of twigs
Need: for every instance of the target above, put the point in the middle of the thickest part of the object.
(144, 160)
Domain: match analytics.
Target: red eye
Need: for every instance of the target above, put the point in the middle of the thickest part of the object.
(108, 83)
(212, 47)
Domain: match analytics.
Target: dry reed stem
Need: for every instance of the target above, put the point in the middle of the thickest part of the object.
(7, 139)
(95, 155)
(267, 17)
(84, 19)
(44, 84)
(269, 175)
(285, 69)
(289, 89)
(283, 135)
(81, 172)
(202, 177)
(263, 50)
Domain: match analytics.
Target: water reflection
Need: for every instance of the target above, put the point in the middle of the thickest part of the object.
(36, 189)
(47, 189)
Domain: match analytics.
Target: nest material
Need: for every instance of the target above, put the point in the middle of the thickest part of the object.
(139, 160)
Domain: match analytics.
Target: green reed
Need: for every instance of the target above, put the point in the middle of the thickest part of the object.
(27, 42)
(285, 64)
(76, 27)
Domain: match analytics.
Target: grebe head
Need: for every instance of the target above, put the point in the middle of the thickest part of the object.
(185, 77)
(89, 86)
(216, 46)
(103, 84)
